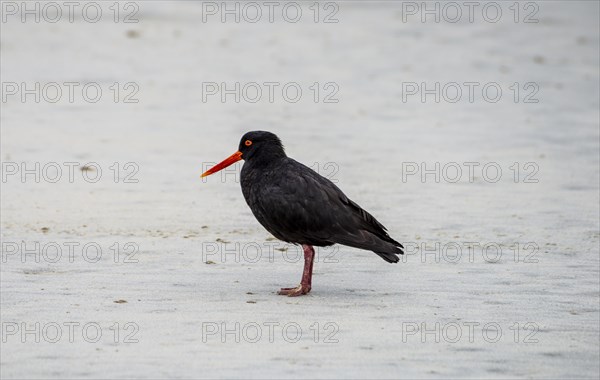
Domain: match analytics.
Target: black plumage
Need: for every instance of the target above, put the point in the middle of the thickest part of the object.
(297, 205)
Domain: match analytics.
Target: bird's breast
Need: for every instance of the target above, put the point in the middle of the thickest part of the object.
(253, 180)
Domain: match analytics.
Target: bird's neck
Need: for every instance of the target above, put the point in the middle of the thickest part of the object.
(267, 157)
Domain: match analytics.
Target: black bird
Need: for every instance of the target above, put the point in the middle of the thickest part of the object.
(299, 206)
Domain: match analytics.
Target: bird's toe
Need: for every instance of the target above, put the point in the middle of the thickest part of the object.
(287, 291)
(294, 292)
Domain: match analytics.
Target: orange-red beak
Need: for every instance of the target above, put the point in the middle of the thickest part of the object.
(223, 164)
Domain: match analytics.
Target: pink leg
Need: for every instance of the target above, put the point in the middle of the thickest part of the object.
(306, 282)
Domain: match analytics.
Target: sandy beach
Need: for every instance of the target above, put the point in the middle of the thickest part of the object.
(474, 141)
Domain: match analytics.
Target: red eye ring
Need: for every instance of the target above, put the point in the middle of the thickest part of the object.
(247, 142)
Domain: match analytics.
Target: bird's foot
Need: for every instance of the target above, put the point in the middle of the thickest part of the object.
(299, 290)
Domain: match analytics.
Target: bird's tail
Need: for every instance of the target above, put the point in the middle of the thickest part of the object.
(384, 246)
(391, 252)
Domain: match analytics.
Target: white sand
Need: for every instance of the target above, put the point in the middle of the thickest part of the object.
(174, 298)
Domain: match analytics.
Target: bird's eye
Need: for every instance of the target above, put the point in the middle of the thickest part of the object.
(248, 143)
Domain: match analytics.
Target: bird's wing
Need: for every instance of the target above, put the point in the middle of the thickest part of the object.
(304, 205)
(294, 206)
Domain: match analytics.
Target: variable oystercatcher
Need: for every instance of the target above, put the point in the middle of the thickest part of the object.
(299, 206)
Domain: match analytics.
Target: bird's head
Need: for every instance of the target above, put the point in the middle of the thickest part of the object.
(254, 146)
